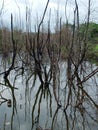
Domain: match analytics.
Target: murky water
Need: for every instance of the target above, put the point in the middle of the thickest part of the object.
(30, 106)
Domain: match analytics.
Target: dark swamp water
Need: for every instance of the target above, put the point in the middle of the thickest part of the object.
(28, 104)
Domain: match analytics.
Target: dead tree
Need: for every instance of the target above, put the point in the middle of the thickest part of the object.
(13, 52)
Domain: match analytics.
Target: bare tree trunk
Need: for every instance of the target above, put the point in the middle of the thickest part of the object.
(14, 51)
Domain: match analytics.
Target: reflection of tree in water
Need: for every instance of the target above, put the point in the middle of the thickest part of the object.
(11, 103)
(73, 110)
(41, 95)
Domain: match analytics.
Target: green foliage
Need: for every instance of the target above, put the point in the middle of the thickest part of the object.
(92, 52)
(96, 47)
(92, 31)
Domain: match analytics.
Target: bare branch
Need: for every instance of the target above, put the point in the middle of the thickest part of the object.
(89, 76)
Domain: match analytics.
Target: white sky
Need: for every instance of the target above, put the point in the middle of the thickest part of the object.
(18, 9)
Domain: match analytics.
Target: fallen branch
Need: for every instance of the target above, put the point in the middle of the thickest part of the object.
(88, 76)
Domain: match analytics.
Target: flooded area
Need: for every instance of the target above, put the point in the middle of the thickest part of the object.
(28, 104)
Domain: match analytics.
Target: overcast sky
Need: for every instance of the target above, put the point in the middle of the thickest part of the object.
(18, 9)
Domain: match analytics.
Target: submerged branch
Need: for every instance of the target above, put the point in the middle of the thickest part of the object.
(88, 76)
